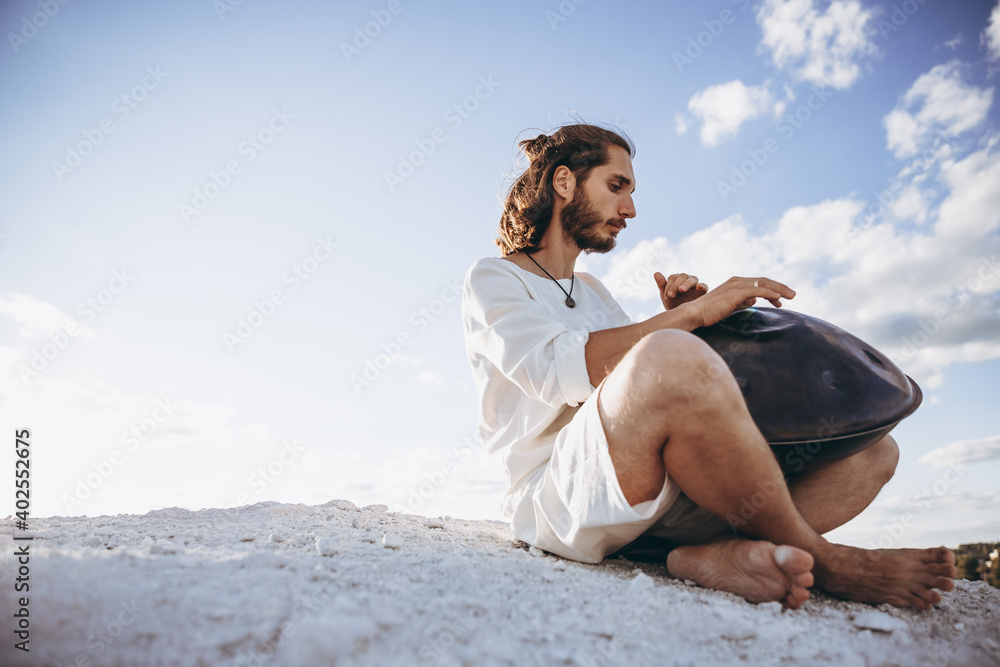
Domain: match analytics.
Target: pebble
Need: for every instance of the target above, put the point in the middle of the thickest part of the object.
(392, 541)
(535, 551)
(276, 536)
(341, 504)
(641, 582)
(434, 523)
(376, 508)
(877, 620)
(326, 546)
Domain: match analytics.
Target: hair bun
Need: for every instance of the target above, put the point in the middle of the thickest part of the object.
(533, 148)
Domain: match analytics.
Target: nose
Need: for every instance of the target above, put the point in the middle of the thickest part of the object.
(627, 209)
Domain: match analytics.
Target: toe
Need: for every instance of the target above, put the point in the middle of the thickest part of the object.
(792, 559)
(804, 580)
(928, 595)
(939, 555)
(944, 583)
(941, 569)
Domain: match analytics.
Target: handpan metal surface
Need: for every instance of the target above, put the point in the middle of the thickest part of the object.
(816, 392)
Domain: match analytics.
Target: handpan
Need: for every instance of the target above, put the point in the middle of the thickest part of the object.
(817, 393)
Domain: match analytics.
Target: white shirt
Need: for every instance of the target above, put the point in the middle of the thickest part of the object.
(526, 349)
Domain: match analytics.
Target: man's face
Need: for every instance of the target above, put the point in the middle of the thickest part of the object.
(599, 208)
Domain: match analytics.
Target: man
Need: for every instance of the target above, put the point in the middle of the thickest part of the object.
(601, 436)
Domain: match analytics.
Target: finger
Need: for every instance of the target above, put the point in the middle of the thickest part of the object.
(781, 289)
(701, 287)
(673, 283)
(687, 283)
(660, 280)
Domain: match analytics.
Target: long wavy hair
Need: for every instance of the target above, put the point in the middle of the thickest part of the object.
(527, 210)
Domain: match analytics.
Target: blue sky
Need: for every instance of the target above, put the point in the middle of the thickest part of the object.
(242, 209)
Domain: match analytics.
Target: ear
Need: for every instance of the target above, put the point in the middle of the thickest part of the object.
(564, 182)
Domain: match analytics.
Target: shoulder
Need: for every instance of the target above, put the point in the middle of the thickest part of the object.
(593, 283)
(491, 268)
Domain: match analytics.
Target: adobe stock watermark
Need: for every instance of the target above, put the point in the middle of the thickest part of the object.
(267, 473)
(31, 25)
(104, 638)
(749, 507)
(899, 15)
(987, 271)
(131, 439)
(59, 339)
(264, 309)
(248, 149)
(441, 641)
(454, 116)
(122, 107)
(562, 12)
(363, 35)
(419, 321)
(223, 7)
(461, 452)
(636, 618)
(920, 503)
(888, 196)
(303, 608)
(641, 276)
(699, 43)
(787, 126)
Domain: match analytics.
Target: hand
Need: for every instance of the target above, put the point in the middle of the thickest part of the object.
(678, 289)
(737, 294)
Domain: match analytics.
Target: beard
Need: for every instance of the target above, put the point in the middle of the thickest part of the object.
(581, 224)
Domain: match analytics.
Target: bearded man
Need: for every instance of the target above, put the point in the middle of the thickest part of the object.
(600, 440)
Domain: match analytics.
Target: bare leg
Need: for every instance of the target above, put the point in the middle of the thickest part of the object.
(830, 496)
(672, 407)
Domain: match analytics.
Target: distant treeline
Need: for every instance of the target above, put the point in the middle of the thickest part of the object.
(974, 562)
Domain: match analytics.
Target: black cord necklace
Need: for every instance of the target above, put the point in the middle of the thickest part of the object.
(569, 299)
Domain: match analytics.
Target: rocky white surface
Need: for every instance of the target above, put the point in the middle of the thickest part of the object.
(335, 584)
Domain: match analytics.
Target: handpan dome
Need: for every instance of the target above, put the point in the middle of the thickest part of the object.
(817, 393)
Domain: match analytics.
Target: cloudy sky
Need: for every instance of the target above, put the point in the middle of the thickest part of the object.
(234, 233)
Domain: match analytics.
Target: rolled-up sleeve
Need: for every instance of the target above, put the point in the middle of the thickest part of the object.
(539, 353)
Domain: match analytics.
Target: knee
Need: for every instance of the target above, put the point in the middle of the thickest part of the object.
(672, 364)
(884, 456)
(673, 351)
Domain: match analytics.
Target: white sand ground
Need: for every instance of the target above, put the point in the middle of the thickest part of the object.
(275, 584)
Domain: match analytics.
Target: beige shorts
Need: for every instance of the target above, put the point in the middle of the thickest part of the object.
(574, 507)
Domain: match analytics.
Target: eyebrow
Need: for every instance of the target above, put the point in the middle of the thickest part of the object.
(623, 178)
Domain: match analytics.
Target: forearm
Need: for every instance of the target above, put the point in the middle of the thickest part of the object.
(606, 348)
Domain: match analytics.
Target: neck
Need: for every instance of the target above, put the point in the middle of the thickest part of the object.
(558, 254)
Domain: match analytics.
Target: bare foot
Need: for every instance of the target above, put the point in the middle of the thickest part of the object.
(901, 577)
(757, 571)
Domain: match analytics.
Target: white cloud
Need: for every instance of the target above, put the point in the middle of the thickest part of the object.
(680, 123)
(36, 317)
(821, 47)
(939, 101)
(964, 452)
(723, 108)
(991, 35)
(431, 378)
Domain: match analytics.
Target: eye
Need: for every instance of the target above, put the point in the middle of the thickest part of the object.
(615, 187)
